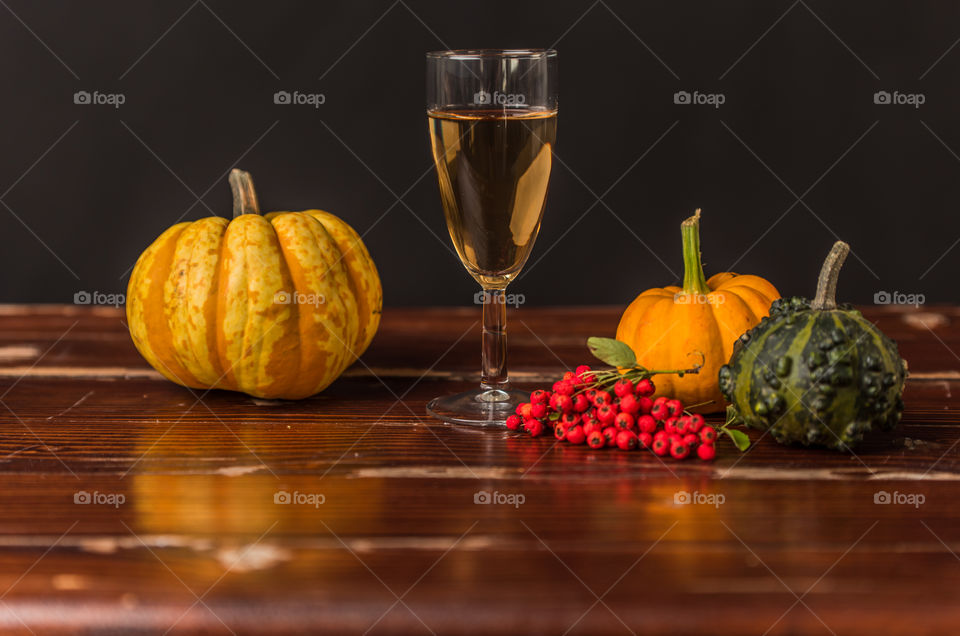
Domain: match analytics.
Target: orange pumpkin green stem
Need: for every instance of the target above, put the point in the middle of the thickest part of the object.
(694, 281)
(244, 196)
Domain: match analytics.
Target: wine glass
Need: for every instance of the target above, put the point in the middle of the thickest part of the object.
(493, 122)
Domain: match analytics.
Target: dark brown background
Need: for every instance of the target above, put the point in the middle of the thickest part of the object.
(199, 81)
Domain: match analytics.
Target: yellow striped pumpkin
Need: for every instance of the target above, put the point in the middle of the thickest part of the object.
(276, 306)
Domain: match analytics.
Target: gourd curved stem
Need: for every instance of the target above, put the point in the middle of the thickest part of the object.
(694, 281)
(244, 196)
(826, 297)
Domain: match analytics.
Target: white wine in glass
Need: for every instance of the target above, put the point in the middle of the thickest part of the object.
(493, 123)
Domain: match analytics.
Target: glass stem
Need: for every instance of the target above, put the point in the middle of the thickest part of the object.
(494, 341)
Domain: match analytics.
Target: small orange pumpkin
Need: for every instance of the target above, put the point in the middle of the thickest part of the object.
(670, 327)
(276, 306)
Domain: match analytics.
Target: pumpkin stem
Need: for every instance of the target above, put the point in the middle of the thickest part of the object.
(244, 196)
(826, 297)
(694, 282)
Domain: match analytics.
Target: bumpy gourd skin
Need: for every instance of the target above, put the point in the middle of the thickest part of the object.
(815, 377)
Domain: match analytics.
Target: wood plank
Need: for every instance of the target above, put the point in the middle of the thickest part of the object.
(198, 515)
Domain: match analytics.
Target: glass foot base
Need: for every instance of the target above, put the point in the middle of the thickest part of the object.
(478, 407)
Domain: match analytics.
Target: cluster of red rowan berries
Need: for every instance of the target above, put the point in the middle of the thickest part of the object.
(579, 410)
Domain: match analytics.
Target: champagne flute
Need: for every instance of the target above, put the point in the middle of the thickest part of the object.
(493, 122)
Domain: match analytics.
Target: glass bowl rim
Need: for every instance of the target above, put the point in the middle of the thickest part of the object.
(477, 54)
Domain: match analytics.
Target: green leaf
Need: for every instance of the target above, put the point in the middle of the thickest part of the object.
(740, 439)
(613, 352)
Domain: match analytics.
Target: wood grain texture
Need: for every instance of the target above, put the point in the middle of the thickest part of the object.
(188, 482)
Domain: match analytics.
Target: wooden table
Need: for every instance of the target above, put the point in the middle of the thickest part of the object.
(184, 531)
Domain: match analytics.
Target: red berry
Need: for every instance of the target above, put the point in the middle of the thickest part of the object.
(595, 439)
(659, 411)
(610, 434)
(679, 451)
(696, 423)
(523, 410)
(589, 416)
(674, 439)
(623, 387)
(627, 440)
(569, 376)
(683, 424)
(564, 387)
(540, 397)
(563, 403)
(538, 410)
(534, 427)
(513, 422)
(601, 398)
(629, 404)
(646, 424)
(645, 405)
(559, 430)
(706, 452)
(670, 426)
(606, 414)
(591, 394)
(645, 439)
(708, 435)
(575, 435)
(660, 446)
(580, 403)
(645, 388)
(691, 440)
(569, 419)
(591, 427)
(661, 434)
(676, 407)
(624, 421)
(581, 370)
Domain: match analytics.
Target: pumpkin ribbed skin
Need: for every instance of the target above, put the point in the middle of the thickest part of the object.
(670, 327)
(275, 306)
(664, 331)
(813, 377)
